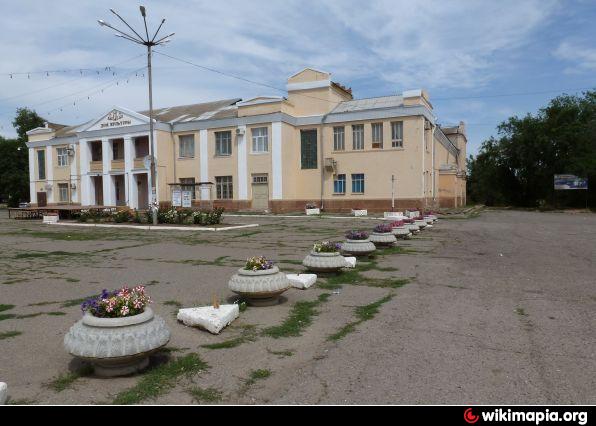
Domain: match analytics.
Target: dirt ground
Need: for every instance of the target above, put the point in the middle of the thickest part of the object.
(498, 308)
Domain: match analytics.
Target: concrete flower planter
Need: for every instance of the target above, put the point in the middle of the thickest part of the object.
(360, 213)
(431, 217)
(324, 262)
(260, 288)
(401, 232)
(358, 247)
(50, 218)
(414, 229)
(421, 224)
(117, 346)
(313, 212)
(383, 239)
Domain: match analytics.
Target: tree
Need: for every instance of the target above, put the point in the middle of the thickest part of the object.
(14, 159)
(518, 167)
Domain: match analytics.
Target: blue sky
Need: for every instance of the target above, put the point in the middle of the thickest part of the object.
(467, 54)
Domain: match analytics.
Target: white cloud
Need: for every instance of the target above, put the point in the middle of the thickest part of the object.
(582, 56)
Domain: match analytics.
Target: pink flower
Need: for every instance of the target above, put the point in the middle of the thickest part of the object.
(124, 311)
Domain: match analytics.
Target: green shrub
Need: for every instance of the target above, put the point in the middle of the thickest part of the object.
(122, 216)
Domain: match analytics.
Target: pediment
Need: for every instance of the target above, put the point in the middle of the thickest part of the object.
(116, 118)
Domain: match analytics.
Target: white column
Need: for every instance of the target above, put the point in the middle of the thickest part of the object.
(204, 161)
(242, 165)
(32, 179)
(50, 173)
(108, 184)
(128, 165)
(133, 193)
(74, 193)
(276, 161)
(85, 157)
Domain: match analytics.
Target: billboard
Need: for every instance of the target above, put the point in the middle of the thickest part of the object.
(565, 182)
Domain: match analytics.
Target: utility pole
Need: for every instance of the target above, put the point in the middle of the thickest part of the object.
(149, 42)
(392, 193)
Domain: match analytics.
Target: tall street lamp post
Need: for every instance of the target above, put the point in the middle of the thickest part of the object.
(149, 42)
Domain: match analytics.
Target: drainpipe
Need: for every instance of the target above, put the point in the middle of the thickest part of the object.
(323, 159)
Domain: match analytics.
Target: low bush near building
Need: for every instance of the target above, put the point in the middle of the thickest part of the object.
(171, 216)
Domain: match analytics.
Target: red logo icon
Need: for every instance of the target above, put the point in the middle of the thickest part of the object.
(470, 417)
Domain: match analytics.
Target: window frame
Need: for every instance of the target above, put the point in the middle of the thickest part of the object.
(62, 158)
(186, 141)
(360, 139)
(219, 142)
(41, 164)
(63, 186)
(339, 145)
(187, 185)
(342, 182)
(228, 185)
(309, 150)
(397, 142)
(256, 140)
(377, 139)
(357, 181)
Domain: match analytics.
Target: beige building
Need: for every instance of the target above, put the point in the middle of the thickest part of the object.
(317, 145)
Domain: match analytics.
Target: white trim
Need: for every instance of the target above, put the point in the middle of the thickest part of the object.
(74, 193)
(50, 173)
(412, 93)
(276, 161)
(128, 166)
(423, 148)
(39, 131)
(308, 85)
(85, 127)
(242, 165)
(32, 189)
(157, 228)
(204, 162)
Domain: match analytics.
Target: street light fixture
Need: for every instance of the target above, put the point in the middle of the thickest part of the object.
(149, 42)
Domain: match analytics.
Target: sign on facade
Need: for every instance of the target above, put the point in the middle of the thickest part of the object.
(566, 182)
(186, 199)
(176, 198)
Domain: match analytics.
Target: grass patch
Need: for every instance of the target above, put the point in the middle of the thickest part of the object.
(6, 316)
(66, 380)
(20, 401)
(256, 375)
(173, 303)
(14, 281)
(362, 313)
(205, 395)
(220, 261)
(38, 254)
(281, 354)
(301, 316)
(161, 379)
(10, 334)
(72, 280)
(246, 234)
(5, 307)
(521, 312)
(248, 334)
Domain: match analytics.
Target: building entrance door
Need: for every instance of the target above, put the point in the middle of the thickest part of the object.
(260, 196)
(42, 199)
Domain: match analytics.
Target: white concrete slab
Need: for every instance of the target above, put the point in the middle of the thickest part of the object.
(302, 281)
(208, 318)
(351, 261)
(158, 227)
(3, 393)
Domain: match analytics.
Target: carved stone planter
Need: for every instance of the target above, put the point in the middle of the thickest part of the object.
(358, 247)
(117, 346)
(324, 262)
(383, 239)
(414, 229)
(421, 224)
(401, 232)
(260, 288)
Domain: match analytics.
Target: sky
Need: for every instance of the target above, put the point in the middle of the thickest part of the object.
(480, 61)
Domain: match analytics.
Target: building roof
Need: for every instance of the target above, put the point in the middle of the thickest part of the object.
(370, 103)
(208, 110)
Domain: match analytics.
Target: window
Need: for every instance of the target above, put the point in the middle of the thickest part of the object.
(339, 184)
(358, 136)
(377, 135)
(118, 149)
(225, 190)
(62, 155)
(339, 138)
(223, 143)
(63, 192)
(260, 140)
(358, 183)
(260, 178)
(397, 134)
(187, 146)
(41, 164)
(188, 184)
(308, 149)
(96, 151)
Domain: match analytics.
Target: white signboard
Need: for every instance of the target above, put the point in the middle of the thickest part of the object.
(176, 198)
(186, 199)
(115, 119)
